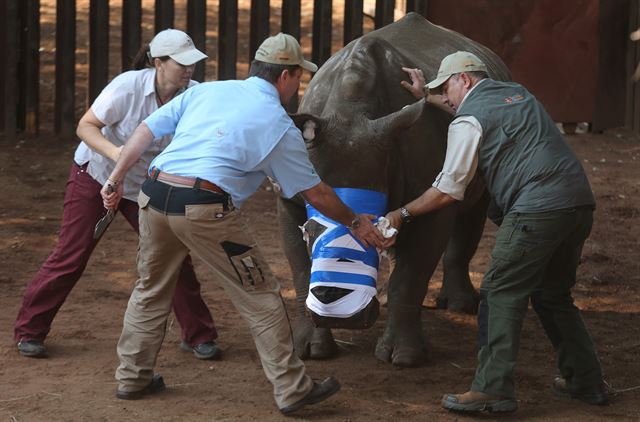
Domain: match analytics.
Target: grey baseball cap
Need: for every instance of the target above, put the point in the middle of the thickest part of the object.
(283, 49)
(460, 61)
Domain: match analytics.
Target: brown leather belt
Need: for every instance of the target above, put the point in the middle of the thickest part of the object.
(186, 181)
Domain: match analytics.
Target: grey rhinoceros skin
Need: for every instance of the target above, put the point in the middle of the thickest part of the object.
(365, 139)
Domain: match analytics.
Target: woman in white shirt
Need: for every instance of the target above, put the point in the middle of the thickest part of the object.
(162, 71)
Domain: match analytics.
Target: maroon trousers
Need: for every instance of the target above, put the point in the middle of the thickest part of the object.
(52, 284)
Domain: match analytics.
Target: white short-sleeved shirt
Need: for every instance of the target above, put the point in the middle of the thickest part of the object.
(122, 105)
(461, 161)
(234, 134)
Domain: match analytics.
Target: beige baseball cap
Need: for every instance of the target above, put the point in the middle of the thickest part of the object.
(460, 61)
(283, 49)
(177, 45)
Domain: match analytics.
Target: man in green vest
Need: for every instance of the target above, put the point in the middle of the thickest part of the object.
(543, 204)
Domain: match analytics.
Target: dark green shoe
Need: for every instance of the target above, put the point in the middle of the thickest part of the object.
(32, 348)
(208, 351)
(595, 396)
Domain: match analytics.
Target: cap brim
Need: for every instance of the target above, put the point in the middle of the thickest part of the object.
(307, 65)
(189, 57)
(437, 82)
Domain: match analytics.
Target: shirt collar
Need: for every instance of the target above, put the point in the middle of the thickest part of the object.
(265, 86)
(470, 91)
(150, 84)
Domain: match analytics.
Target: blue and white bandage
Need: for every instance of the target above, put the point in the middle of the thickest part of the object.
(340, 260)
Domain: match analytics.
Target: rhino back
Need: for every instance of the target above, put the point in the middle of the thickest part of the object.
(426, 43)
(364, 78)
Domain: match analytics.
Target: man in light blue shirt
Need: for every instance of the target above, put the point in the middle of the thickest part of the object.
(229, 136)
(232, 149)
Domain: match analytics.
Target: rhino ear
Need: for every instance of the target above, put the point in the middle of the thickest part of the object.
(309, 125)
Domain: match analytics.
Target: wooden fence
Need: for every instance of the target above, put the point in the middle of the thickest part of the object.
(574, 55)
(21, 27)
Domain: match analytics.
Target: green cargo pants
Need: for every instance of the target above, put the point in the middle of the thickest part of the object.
(535, 253)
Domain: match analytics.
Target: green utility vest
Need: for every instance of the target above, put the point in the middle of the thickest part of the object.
(523, 158)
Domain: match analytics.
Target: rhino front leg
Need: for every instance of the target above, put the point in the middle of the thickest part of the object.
(309, 342)
(419, 248)
(457, 293)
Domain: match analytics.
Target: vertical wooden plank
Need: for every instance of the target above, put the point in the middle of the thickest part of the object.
(322, 25)
(634, 91)
(259, 25)
(291, 25)
(291, 18)
(636, 58)
(197, 28)
(29, 65)
(352, 20)
(384, 12)
(64, 118)
(131, 31)
(418, 6)
(3, 69)
(8, 81)
(227, 39)
(632, 100)
(164, 15)
(98, 47)
(611, 83)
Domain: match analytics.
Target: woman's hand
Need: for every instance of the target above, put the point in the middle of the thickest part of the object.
(111, 194)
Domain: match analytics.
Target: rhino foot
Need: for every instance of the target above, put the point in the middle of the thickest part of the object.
(464, 305)
(313, 343)
(407, 356)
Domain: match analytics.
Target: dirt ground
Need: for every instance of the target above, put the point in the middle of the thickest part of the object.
(76, 381)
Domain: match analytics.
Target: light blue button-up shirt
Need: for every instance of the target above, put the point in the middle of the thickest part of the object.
(234, 134)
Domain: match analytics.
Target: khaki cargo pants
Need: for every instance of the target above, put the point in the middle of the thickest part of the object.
(219, 239)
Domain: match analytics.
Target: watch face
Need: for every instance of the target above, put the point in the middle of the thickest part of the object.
(405, 215)
(355, 223)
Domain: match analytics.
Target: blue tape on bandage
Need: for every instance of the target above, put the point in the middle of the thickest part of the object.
(371, 260)
(338, 277)
(359, 200)
(321, 250)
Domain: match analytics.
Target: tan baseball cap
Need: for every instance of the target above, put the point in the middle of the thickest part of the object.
(177, 45)
(460, 61)
(283, 49)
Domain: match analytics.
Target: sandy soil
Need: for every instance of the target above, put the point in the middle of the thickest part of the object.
(76, 381)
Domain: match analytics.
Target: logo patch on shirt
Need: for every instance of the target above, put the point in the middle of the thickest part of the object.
(510, 100)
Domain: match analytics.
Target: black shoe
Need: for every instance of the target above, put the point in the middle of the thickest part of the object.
(596, 395)
(156, 386)
(319, 392)
(476, 401)
(32, 348)
(208, 350)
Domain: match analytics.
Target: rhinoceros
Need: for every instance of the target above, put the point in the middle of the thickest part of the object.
(370, 133)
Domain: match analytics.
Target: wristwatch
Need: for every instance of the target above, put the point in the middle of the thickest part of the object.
(355, 223)
(405, 215)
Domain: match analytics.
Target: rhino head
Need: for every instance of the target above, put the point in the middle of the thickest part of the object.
(353, 150)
